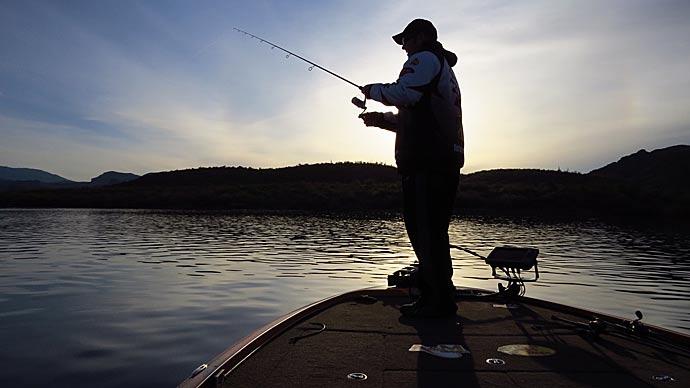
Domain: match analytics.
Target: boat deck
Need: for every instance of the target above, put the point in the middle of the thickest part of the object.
(366, 334)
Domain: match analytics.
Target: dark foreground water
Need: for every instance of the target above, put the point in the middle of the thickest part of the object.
(140, 298)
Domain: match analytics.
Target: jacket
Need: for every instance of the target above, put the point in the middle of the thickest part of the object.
(429, 131)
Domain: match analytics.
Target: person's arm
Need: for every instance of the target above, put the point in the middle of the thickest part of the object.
(418, 71)
(387, 121)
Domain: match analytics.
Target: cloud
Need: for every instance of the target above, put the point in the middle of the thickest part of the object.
(72, 153)
(543, 83)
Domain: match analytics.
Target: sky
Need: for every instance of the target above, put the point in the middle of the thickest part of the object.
(141, 86)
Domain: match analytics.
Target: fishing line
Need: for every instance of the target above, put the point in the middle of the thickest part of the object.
(356, 101)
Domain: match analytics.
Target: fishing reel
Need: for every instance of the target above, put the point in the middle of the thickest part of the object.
(361, 104)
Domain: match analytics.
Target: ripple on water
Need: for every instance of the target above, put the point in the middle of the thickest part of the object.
(114, 293)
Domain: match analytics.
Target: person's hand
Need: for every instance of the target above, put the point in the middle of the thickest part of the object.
(373, 119)
(366, 90)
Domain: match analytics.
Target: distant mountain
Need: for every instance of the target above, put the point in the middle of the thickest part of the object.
(22, 179)
(665, 169)
(29, 174)
(113, 178)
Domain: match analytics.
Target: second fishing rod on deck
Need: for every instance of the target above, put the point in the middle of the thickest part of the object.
(362, 104)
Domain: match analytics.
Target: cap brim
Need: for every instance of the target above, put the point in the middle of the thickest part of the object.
(399, 38)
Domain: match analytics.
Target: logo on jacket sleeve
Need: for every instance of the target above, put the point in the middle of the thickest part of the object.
(415, 62)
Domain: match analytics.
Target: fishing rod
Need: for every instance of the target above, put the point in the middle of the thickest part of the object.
(460, 248)
(362, 104)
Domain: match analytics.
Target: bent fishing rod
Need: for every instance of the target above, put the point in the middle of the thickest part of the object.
(362, 104)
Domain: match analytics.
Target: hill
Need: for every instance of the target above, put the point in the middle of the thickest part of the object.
(612, 190)
(29, 175)
(550, 192)
(346, 172)
(113, 178)
(319, 187)
(26, 179)
(665, 169)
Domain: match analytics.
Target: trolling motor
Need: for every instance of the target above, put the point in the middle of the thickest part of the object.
(511, 261)
(362, 104)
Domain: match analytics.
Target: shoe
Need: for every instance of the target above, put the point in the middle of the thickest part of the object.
(409, 309)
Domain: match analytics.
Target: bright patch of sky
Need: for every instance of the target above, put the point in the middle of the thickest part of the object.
(140, 86)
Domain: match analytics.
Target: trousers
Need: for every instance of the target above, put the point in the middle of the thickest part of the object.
(428, 198)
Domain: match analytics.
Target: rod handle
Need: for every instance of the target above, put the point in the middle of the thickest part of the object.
(361, 104)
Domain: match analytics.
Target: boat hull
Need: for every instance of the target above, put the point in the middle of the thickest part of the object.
(520, 341)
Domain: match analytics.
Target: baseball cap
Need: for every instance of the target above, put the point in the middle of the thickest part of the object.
(415, 27)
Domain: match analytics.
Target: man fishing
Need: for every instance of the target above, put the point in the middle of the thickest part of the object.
(429, 154)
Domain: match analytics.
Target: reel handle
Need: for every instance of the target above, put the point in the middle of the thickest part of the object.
(361, 104)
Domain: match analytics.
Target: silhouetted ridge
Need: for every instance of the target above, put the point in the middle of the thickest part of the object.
(665, 169)
(524, 176)
(29, 175)
(345, 172)
(113, 178)
(642, 184)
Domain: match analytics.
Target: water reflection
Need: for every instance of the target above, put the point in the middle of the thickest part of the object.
(106, 297)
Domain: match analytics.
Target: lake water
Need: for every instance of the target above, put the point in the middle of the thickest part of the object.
(140, 298)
